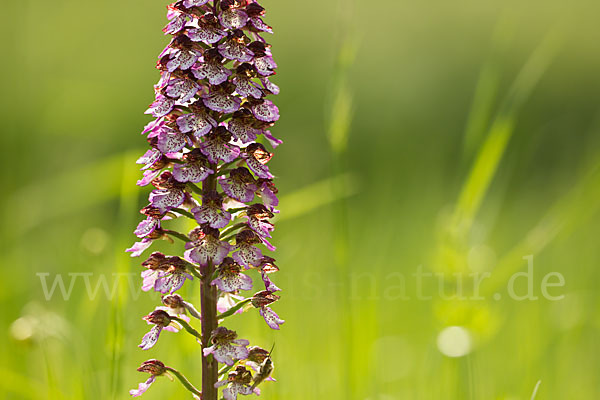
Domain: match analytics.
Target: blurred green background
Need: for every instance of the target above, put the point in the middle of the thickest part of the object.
(459, 136)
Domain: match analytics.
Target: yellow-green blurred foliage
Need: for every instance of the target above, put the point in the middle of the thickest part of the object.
(454, 136)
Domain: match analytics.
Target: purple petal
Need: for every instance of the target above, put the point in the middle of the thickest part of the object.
(150, 338)
(247, 255)
(269, 198)
(243, 131)
(206, 34)
(271, 318)
(191, 172)
(194, 3)
(238, 190)
(232, 282)
(266, 111)
(171, 142)
(161, 106)
(261, 170)
(216, 217)
(215, 72)
(199, 124)
(235, 51)
(165, 200)
(146, 227)
(265, 65)
(272, 139)
(149, 175)
(269, 285)
(221, 102)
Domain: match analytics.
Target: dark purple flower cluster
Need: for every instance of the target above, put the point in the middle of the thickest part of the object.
(208, 162)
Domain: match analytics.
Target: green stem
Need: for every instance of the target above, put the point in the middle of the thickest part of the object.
(233, 309)
(184, 212)
(184, 381)
(208, 308)
(194, 188)
(233, 227)
(225, 369)
(234, 210)
(177, 235)
(188, 327)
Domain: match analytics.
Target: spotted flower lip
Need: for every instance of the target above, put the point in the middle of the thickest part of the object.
(247, 254)
(198, 122)
(206, 247)
(221, 100)
(240, 185)
(231, 278)
(211, 211)
(161, 106)
(242, 126)
(194, 169)
(217, 146)
(212, 68)
(265, 110)
(226, 347)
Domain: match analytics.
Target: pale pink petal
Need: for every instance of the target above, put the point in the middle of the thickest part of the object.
(142, 387)
(139, 247)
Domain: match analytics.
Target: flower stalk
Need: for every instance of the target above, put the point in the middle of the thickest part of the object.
(207, 161)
